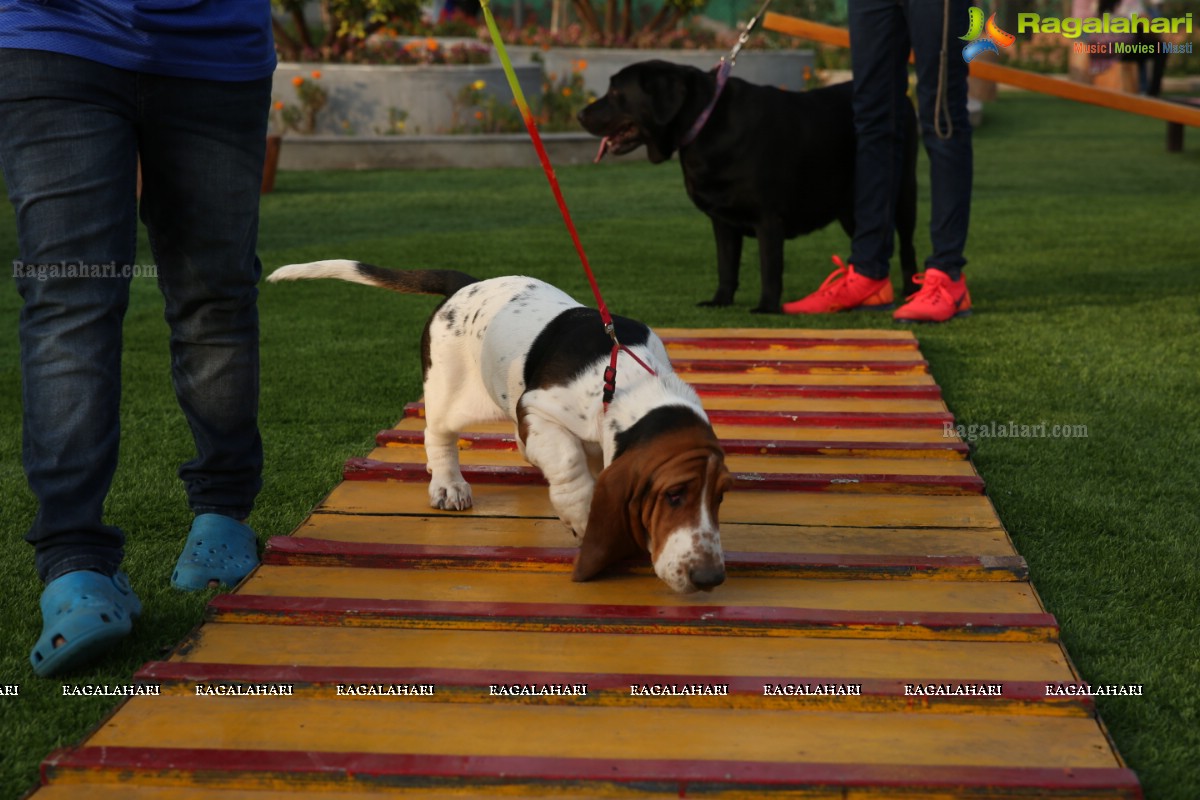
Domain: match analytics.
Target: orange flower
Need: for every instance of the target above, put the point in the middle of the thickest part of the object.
(316, 74)
(279, 105)
(298, 81)
(566, 91)
(580, 65)
(431, 45)
(478, 115)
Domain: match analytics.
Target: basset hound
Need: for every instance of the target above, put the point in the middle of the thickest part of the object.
(647, 474)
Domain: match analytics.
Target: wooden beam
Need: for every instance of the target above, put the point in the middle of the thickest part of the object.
(1177, 113)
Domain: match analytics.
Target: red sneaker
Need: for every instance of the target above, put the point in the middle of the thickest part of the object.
(844, 290)
(939, 299)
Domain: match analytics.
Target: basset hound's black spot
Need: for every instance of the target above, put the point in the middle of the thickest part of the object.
(572, 342)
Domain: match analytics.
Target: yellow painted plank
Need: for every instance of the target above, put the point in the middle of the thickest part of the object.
(473, 586)
(769, 433)
(804, 465)
(901, 337)
(126, 790)
(900, 355)
(653, 654)
(508, 532)
(859, 405)
(302, 724)
(773, 378)
(772, 508)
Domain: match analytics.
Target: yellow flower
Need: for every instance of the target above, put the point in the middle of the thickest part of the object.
(478, 85)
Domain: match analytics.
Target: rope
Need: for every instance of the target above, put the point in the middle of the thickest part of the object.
(946, 131)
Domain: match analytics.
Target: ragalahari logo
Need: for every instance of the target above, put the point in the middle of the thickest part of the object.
(983, 37)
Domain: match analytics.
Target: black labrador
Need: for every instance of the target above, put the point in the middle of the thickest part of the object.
(767, 163)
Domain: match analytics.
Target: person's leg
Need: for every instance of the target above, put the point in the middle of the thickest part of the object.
(945, 127)
(69, 157)
(879, 59)
(202, 145)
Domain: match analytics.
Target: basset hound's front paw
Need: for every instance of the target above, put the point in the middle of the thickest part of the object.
(450, 496)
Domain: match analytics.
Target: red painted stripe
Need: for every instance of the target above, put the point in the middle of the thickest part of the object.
(833, 419)
(818, 419)
(650, 774)
(316, 610)
(368, 469)
(799, 367)
(283, 550)
(769, 342)
(915, 392)
(200, 672)
(507, 441)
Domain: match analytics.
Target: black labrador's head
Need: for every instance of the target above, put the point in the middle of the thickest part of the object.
(645, 105)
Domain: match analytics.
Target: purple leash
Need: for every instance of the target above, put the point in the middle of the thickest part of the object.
(723, 69)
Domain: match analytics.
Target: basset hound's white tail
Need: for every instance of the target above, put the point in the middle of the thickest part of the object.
(406, 281)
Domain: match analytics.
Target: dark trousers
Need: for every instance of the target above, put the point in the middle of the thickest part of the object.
(882, 32)
(71, 131)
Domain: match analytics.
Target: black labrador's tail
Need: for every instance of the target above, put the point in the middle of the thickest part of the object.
(406, 281)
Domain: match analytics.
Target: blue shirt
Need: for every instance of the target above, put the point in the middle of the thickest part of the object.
(224, 40)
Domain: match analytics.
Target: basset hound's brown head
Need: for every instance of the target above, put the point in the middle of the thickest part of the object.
(661, 495)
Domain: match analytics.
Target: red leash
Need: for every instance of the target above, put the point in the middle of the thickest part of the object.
(610, 374)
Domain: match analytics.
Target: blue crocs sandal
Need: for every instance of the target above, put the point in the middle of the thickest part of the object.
(219, 551)
(83, 614)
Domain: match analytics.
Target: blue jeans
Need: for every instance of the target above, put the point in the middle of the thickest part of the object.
(71, 132)
(882, 32)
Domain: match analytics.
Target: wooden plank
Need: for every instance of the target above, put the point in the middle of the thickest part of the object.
(622, 603)
(737, 462)
(927, 442)
(580, 618)
(761, 378)
(892, 356)
(591, 776)
(920, 661)
(808, 405)
(716, 389)
(900, 337)
(483, 532)
(126, 790)
(700, 737)
(937, 420)
(781, 693)
(818, 509)
(765, 365)
(767, 342)
(1045, 84)
(366, 469)
(954, 451)
(294, 551)
(637, 592)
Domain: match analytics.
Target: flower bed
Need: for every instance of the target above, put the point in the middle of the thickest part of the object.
(367, 100)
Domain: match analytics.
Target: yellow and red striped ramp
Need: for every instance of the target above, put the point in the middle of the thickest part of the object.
(877, 635)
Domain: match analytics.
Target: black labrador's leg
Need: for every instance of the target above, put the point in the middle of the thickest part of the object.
(729, 262)
(770, 262)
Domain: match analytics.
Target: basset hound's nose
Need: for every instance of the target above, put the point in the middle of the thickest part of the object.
(707, 578)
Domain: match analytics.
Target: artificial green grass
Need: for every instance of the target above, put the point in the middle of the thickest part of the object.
(1085, 273)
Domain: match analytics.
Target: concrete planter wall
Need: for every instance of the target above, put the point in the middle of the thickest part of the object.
(364, 98)
(781, 68)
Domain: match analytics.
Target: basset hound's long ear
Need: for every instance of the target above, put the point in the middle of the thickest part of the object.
(614, 521)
